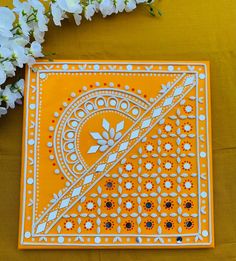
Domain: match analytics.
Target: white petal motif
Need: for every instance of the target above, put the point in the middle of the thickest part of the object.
(118, 136)
(103, 148)
(96, 135)
(105, 135)
(112, 133)
(105, 124)
(120, 126)
(93, 149)
(102, 142)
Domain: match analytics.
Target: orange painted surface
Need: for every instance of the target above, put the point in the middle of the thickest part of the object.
(117, 154)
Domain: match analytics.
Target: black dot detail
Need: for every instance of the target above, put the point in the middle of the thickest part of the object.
(128, 225)
(148, 205)
(188, 205)
(109, 184)
(108, 224)
(149, 224)
(108, 204)
(189, 224)
(179, 239)
(168, 204)
(169, 225)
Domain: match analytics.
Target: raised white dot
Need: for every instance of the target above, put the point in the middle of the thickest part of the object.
(97, 240)
(149, 147)
(27, 234)
(202, 76)
(73, 157)
(148, 166)
(187, 185)
(88, 225)
(188, 108)
(81, 114)
(168, 128)
(124, 105)
(97, 84)
(168, 146)
(70, 146)
(149, 185)
(187, 146)
(73, 94)
(96, 67)
(65, 66)
(56, 171)
(51, 157)
(113, 102)
(170, 68)
(74, 123)
(60, 240)
(128, 205)
(90, 205)
(56, 114)
(135, 112)
(203, 194)
(100, 102)
(31, 142)
(111, 84)
(203, 154)
(128, 167)
(187, 166)
(49, 144)
(42, 75)
(70, 135)
(168, 184)
(32, 106)
(79, 167)
(202, 117)
(51, 128)
(69, 225)
(30, 181)
(187, 127)
(89, 107)
(168, 165)
(129, 67)
(204, 233)
(128, 185)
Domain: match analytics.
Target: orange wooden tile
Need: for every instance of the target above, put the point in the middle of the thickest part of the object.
(116, 154)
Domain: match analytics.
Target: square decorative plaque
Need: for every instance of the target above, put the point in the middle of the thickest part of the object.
(116, 154)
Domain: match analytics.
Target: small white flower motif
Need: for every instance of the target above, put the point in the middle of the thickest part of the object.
(107, 138)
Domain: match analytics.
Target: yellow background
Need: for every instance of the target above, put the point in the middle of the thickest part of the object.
(188, 30)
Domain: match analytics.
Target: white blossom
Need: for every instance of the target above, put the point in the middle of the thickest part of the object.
(3, 75)
(130, 5)
(3, 111)
(36, 49)
(89, 11)
(70, 6)
(59, 9)
(7, 19)
(9, 68)
(57, 14)
(10, 97)
(120, 5)
(107, 7)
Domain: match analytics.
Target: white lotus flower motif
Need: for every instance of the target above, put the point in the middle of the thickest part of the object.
(107, 138)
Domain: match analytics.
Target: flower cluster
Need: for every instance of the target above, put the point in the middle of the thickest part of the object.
(22, 31)
(11, 95)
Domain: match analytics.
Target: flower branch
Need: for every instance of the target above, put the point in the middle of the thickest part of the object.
(22, 31)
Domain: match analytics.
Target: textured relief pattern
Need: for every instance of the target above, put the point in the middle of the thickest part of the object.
(119, 157)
